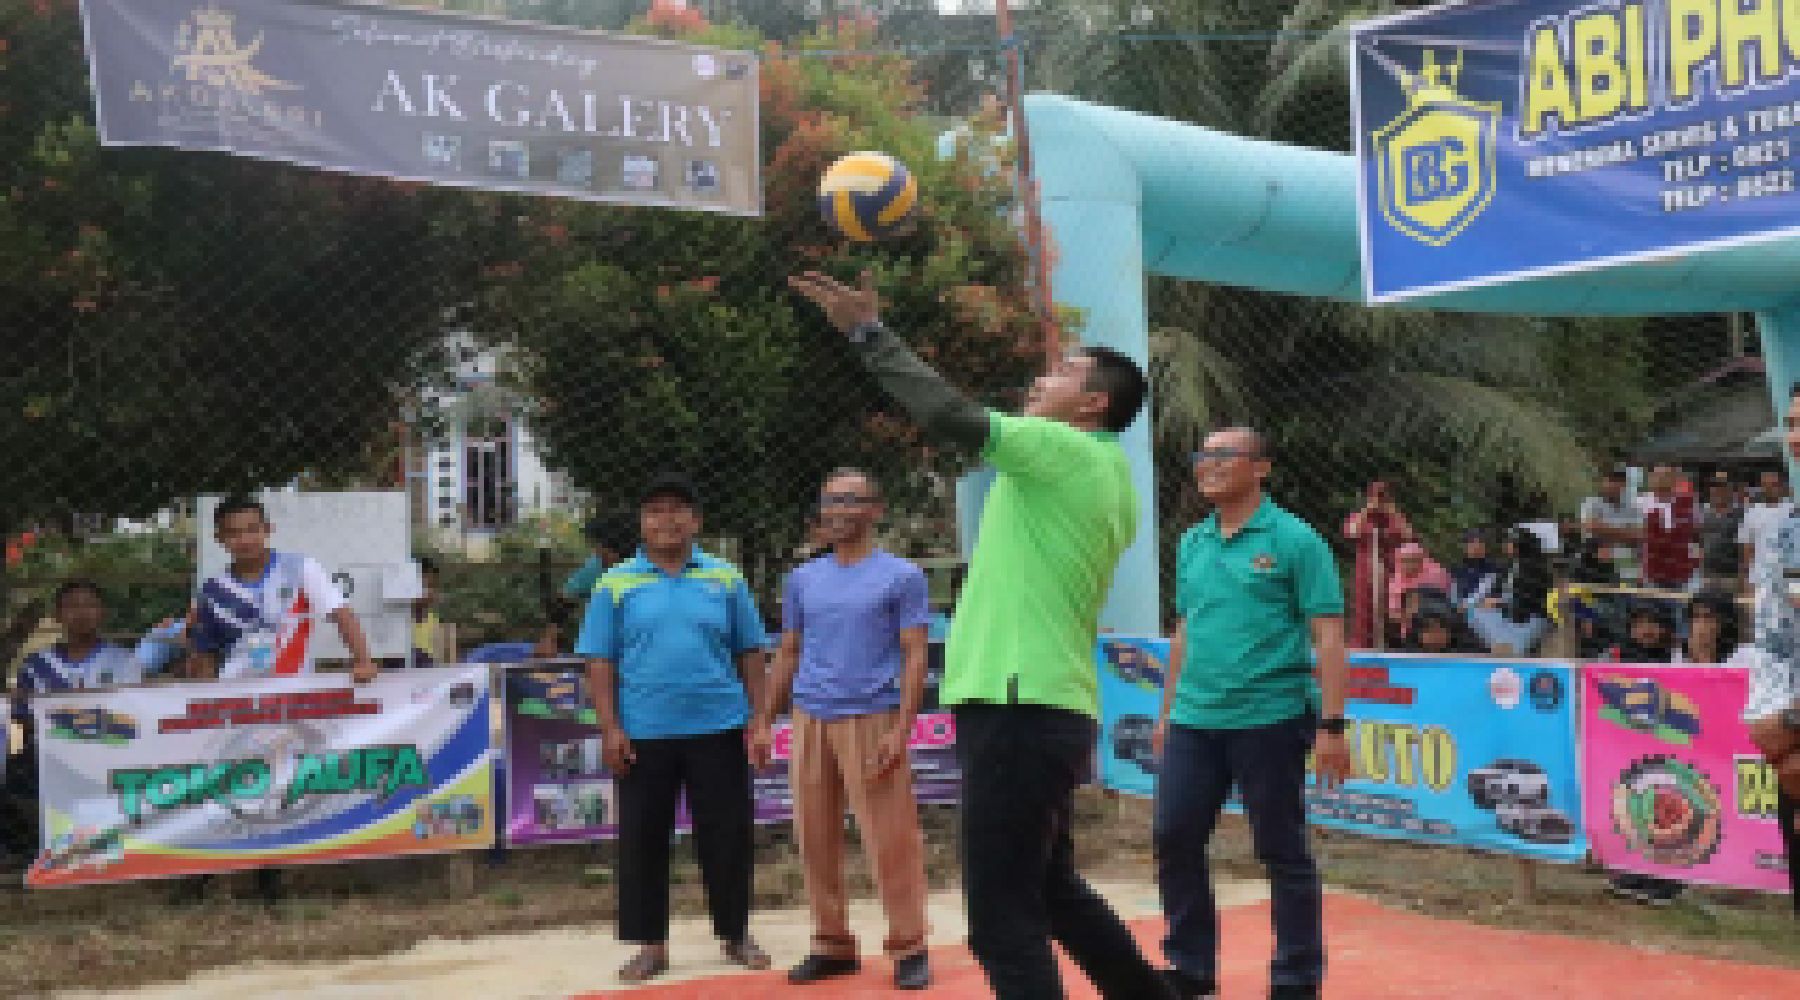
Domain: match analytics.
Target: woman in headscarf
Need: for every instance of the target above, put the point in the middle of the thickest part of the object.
(1377, 530)
(1413, 570)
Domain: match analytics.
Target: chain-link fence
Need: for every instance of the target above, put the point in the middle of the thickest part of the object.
(182, 323)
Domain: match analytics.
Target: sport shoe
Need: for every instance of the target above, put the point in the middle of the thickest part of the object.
(913, 972)
(1187, 987)
(1294, 991)
(818, 967)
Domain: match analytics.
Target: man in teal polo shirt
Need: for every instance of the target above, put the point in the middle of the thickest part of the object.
(1019, 666)
(1257, 592)
(675, 657)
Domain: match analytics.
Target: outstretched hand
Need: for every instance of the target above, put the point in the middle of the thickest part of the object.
(845, 307)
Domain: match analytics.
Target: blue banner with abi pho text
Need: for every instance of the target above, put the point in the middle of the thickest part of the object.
(1504, 140)
(1476, 752)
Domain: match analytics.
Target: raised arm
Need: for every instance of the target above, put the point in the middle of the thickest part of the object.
(939, 407)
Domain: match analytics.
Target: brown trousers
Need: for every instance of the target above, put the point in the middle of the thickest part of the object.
(829, 769)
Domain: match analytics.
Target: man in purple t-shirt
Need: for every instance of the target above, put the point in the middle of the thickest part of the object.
(852, 654)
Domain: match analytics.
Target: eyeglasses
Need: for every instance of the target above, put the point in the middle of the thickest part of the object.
(844, 500)
(1224, 454)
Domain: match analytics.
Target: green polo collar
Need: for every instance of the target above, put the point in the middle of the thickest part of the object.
(1259, 519)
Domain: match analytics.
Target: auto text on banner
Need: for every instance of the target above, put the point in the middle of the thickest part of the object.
(424, 95)
(1479, 752)
(1674, 787)
(192, 778)
(559, 790)
(1473, 752)
(1610, 132)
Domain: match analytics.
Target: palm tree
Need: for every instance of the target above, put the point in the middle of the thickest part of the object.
(1461, 411)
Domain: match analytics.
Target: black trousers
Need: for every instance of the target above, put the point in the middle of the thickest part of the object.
(714, 770)
(1788, 812)
(1021, 765)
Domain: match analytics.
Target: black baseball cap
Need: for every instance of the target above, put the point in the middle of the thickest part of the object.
(671, 484)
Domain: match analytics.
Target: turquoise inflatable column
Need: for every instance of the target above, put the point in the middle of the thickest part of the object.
(1780, 332)
(1091, 203)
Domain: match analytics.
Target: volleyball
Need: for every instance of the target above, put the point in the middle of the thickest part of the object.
(866, 196)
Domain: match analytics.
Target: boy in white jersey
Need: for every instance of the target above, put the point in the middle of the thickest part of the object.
(257, 618)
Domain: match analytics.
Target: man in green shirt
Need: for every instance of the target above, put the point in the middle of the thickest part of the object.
(1019, 665)
(1257, 592)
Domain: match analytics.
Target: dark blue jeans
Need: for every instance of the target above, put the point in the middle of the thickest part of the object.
(1268, 766)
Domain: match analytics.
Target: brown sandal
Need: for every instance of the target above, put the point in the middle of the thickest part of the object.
(748, 954)
(644, 966)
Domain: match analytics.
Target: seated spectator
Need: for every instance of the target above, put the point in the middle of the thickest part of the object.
(1413, 570)
(1477, 575)
(1649, 634)
(1511, 621)
(1439, 630)
(1712, 632)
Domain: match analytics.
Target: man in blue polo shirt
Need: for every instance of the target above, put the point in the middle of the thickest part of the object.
(1258, 594)
(853, 650)
(675, 657)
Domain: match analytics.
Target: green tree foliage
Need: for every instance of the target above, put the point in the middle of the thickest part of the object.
(178, 322)
(1474, 418)
(657, 340)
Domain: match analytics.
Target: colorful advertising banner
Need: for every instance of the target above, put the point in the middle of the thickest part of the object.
(422, 95)
(1673, 786)
(1131, 687)
(1473, 752)
(559, 791)
(214, 777)
(1609, 131)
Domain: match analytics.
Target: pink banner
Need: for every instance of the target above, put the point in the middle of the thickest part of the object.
(1671, 784)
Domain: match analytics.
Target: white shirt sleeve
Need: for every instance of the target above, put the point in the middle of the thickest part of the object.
(1747, 527)
(321, 593)
(1771, 682)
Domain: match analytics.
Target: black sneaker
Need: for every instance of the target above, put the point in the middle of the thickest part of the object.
(1187, 987)
(913, 972)
(817, 967)
(1294, 991)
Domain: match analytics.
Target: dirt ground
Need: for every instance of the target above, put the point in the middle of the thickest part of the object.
(119, 936)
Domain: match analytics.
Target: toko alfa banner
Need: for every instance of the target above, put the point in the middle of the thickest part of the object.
(1608, 131)
(426, 96)
(559, 790)
(215, 777)
(1473, 752)
(1674, 787)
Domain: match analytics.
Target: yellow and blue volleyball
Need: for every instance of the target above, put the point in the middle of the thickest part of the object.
(867, 196)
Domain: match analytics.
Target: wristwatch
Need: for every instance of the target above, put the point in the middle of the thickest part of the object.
(1336, 725)
(861, 332)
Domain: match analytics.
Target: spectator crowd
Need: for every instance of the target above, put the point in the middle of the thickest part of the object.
(1663, 573)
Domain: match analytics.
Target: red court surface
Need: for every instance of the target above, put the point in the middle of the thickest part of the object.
(1376, 952)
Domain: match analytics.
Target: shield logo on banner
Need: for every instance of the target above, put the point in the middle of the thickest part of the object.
(1436, 161)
